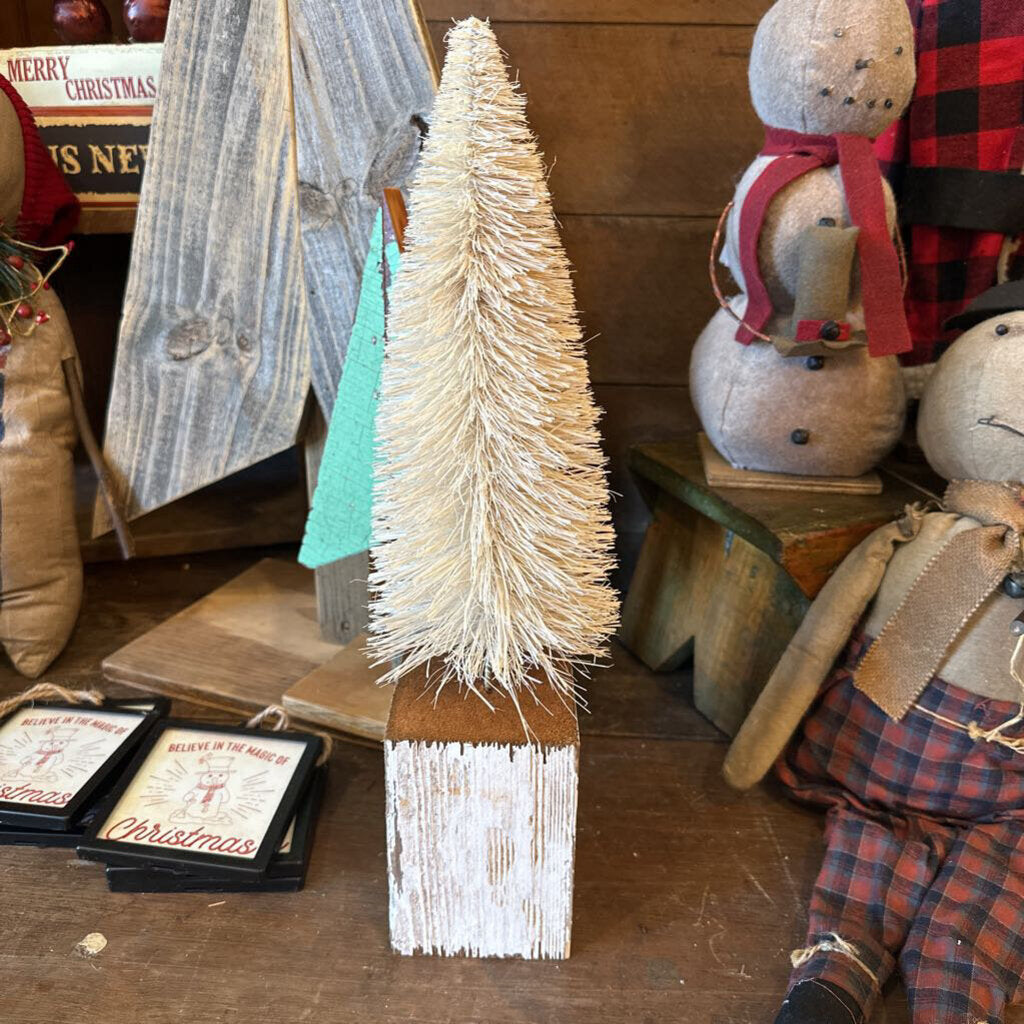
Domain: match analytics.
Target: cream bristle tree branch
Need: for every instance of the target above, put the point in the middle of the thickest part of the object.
(492, 536)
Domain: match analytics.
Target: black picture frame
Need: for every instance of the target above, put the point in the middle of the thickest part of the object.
(62, 819)
(164, 880)
(152, 702)
(296, 860)
(286, 872)
(217, 865)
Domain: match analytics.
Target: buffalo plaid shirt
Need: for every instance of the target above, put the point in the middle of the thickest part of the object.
(967, 111)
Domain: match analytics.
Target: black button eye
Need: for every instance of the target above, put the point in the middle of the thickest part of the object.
(1002, 329)
(826, 91)
(899, 51)
(888, 104)
(814, 362)
(800, 436)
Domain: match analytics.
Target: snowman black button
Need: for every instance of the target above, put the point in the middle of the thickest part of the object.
(829, 330)
(800, 436)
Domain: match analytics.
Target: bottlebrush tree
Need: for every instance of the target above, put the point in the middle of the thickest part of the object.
(492, 535)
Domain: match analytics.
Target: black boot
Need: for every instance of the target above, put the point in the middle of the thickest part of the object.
(819, 1002)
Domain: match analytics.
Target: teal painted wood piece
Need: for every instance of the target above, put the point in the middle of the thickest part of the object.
(339, 520)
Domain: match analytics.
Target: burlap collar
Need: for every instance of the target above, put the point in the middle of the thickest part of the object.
(912, 644)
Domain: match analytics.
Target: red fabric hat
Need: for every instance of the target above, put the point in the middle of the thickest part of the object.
(49, 209)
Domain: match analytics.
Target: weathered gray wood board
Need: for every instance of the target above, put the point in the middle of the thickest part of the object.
(363, 78)
(279, 123)
(213, 362)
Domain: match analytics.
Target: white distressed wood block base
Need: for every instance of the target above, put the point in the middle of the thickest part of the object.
(481, 826)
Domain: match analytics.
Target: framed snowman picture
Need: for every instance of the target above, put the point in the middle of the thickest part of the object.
(56, 758)
(204, 797)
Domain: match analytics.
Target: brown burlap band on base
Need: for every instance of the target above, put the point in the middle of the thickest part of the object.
(912, 644)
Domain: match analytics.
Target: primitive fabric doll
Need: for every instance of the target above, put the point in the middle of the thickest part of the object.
(771, 367)
(955, 160)
(40, 563)
(915, 741)
(40, 405)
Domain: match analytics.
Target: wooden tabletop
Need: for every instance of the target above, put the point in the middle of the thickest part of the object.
(688, 896)
(808, 534)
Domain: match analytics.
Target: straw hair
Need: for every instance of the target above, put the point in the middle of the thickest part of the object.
(493, 542)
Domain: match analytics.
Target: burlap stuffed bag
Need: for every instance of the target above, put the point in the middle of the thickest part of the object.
(40, 564)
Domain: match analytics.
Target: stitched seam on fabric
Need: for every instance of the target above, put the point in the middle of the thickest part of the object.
(803, 69)
(854, 1017)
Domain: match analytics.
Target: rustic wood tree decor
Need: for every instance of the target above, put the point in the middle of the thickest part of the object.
(277, 124)
(492, 534)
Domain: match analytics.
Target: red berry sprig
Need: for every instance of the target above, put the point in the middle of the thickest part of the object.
(20, 280)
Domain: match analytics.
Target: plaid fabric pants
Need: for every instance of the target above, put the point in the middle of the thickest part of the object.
(924, 869)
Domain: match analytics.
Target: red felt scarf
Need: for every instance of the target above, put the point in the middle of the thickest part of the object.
(881, 288)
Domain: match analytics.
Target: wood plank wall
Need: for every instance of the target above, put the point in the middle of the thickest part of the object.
(642, 110)
(643, 113)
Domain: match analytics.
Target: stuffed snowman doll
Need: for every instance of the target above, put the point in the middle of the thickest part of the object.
(798, 373)
(914, 741)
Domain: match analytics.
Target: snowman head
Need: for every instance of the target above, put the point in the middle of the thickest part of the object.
(971, 421)
(58, 739)
(828, 66)
(12, 163)
(216, 771)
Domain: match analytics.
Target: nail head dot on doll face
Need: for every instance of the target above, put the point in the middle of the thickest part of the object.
(899, 51)
(838, 33)
(825, 92)
(888, 104)
(871, 104)
(848, 101)
(862, 63)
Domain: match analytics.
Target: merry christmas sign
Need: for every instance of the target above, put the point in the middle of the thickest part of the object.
(93, 106)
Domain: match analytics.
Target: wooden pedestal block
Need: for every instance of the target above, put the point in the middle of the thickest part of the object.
(702, 592)
(481, 824)
(726, 574)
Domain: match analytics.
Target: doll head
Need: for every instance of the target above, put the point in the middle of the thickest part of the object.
(215, 771)
(12, 163)
(971, 422)
(829, 66)
(58, 739)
